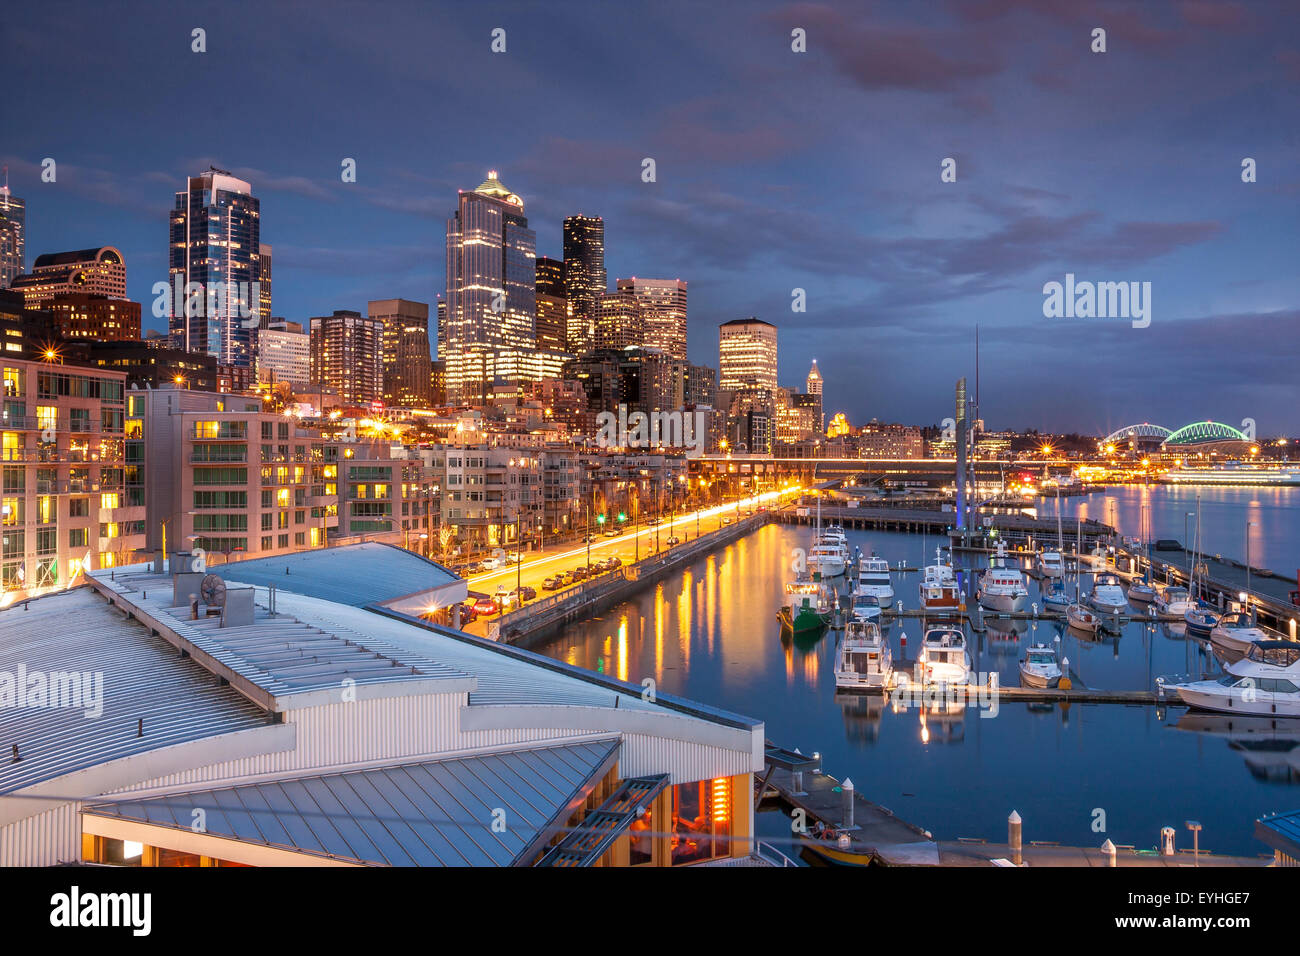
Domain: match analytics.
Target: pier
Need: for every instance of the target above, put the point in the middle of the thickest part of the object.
(1011, 527)
(866, 833)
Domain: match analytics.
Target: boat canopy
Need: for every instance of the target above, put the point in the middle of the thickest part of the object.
(1277, 653)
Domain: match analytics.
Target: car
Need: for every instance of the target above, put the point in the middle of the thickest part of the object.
(674, 540)
(728, 520)
(611, 533)
(552, 583)
(474, 567)
(615, 561)
(749, 513)
(523, 593)
(504, 596)
(579, 574)
(447, 615)
(485, 605)
(654, 521)
(493, 564)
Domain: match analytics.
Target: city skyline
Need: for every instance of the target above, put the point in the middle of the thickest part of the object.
(907, 266)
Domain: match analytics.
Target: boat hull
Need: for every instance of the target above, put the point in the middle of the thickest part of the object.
(1036, 680)
(830, 853)
(1203, 696)
(1006, 603)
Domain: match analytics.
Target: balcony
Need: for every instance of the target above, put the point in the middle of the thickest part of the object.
(208, 458)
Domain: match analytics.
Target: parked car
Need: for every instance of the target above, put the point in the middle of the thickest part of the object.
(494, 564)
(474, 567)
(485, 605)
(524, 593)
(504, 596)
(579, 574)
(552, 583)
(728, 520)
(615, 561)
(674, 540)
(612, 533)
(447, 615)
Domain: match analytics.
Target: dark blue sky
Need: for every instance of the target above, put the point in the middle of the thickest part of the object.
(776, 170)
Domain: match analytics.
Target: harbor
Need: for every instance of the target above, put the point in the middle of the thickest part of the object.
(909, 755)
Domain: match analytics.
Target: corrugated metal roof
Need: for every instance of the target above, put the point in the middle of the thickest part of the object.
(143, 679)
(429, 813)
(1281, 832)
(332, 573)
(285, 654)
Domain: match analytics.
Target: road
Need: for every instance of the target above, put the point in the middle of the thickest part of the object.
(537, 567)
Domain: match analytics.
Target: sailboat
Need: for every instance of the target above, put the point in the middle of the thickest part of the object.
(1143, 591)
(1200, 617)
(1051, 564)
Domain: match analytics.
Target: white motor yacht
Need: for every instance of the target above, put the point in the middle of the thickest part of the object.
(1040, 667)
(1265, 682)
(1172, 599)
(938, 588)
(943, 658)
(1108, 595)
(1050, 564)
(1236, 632)
(873, 578)
(864, 658)
(1002, 588)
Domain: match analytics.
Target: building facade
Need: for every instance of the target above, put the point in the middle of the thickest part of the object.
(346, 351)
(80, 315)
(13, 243)
(214, 267)
(663, 304)
(100, 271)
(407, 363)
(747, 355)
(284, 354)
(552, 305)
(584, 278)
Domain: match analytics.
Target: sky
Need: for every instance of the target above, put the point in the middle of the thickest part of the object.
(775, 170)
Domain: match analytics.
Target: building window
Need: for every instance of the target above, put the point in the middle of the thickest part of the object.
(77, 537)
(701, 821)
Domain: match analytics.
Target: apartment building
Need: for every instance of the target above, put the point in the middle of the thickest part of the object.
(63, 511)
(224, 476)
(490, 495)
(386, 493)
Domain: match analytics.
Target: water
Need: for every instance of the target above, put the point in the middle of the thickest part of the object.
(712, 635)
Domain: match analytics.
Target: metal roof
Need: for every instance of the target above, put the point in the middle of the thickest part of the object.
(428, 813)
(144, 679)
(282, 654)
(333, 573)
(1281, 832)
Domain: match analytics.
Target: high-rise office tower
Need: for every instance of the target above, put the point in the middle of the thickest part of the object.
(345, 356)
(13, 224)
(284, 354)
(407, 365)
(584, 277)
(747, 355)
(442, 328)
(264, 285)
(215, 243)
(620, 321)
(491, 275)
(663, 302)
(552, 305)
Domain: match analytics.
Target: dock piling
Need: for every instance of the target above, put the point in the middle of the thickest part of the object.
(1108, 848)
(1014, 836)
(847, 788)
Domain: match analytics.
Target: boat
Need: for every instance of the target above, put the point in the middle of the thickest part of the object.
(1172, 599)
(1200, 619)
(864, 657)
(1081, 618)
(827, 559)
(1039, 668)
(873, 578)
(938, 588)
(865, 607)
(1049, 564)
(837, 850)
(1108, 594)
(1002, 588)
(803, 616)
(1141, 592)
(1055, 598)
(1235, 632)
(942, 658)
(1266, 682)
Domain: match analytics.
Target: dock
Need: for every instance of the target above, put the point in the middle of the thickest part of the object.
(878, 837)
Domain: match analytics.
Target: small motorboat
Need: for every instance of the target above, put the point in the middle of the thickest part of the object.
(938, 589)
(1050, 564)
(1172, 599)
(1039, 668)
(1108, 594)
(866, 607)
(1081, 619)
(1141, 592)
(1235, 632)
(942, 658)
(1200, 620)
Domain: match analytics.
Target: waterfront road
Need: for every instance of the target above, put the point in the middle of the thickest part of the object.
(627, 546)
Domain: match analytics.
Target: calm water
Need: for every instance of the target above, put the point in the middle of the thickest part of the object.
(712, 635)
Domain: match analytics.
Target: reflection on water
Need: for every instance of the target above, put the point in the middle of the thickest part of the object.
(711, 634)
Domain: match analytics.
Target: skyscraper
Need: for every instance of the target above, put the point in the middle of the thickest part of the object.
(407, 365)
(663, 303)
(13, 249)
(264, 287)
(552, 305)
(345, 356)
(747, 355)
(620, 321)
(214, 268)
(491, 274)
(100, 271)
(584, 277)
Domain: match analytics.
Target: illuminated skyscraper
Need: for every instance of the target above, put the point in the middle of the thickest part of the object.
(13, 224)
(407, 365)
(620, 321)
(345, 356)
(584, 277)
(491, 271)
(264, 288)
(747, 355)
(813, 386)
(214, 268)
(663, 303)
(552, 305)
